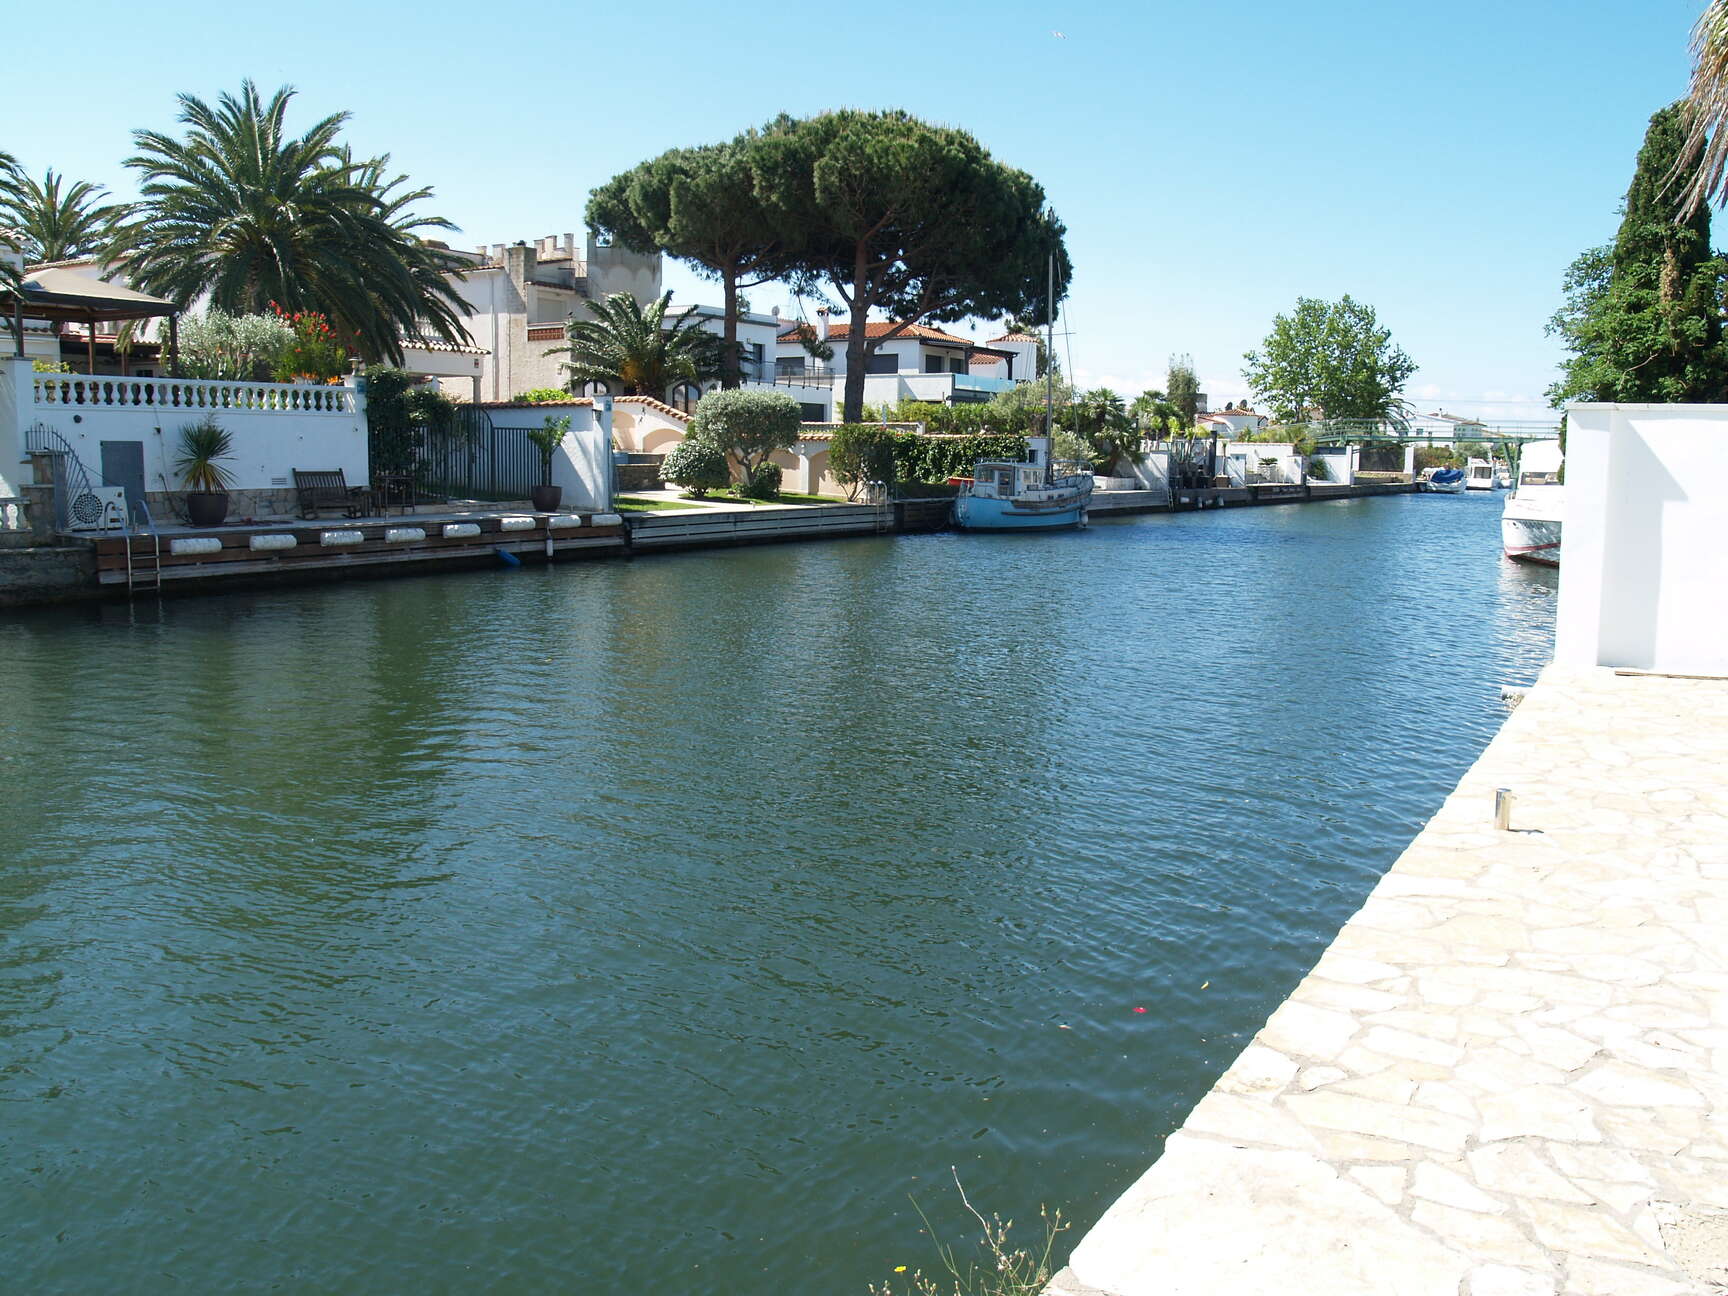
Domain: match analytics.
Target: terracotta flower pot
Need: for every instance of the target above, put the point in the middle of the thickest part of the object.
(206, 508)
(546, 498)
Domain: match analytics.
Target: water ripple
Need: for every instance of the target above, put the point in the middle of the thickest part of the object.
(662, 924)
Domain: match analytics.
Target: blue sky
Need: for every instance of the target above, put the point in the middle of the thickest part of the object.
(1213, 161)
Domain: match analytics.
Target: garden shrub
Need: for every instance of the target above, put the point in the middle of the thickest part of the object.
(698, 466)
(763, 482)
(750, 425)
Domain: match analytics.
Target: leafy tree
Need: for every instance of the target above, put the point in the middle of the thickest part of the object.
(750, 425)
(909, 220)
(860, 454)
(1329, 356)
(248, 214)
(702, 205)
(399, 414)
(1155, 414)
(57, 222)
(634, 347)
(1182, 389)
(1101, 421)
(697, 466)
(1643, 316)
(240, 347)
(1020, 409)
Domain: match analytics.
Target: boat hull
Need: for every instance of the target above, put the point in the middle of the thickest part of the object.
(1530, 528)
(1531, 540)
(975, 513)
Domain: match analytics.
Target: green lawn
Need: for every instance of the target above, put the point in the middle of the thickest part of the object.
(630, 504)
(785, 497)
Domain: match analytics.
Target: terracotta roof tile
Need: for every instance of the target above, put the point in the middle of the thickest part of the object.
(876, 329)
(659, 407)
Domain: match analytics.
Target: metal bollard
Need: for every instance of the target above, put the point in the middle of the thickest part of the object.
(1503, 800)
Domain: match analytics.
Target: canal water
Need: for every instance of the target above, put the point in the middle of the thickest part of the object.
(671, 926)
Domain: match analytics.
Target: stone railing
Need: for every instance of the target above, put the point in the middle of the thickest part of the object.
(108, 392)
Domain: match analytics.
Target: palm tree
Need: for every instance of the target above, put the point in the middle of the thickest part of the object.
(8, 272)
(1708, 140)
(245, 214)
(56, 223)
(637, 349)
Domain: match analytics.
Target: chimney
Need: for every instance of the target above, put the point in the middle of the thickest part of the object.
(497, 254)
(519, 262)
(821, 323)
(570, 246)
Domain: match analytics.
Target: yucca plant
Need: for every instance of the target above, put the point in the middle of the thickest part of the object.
(203, 447)
(546, 439)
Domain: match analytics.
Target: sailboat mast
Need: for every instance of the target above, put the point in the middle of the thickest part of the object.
(1050, 375)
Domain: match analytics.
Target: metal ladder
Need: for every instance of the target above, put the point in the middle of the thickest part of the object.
(141, 577)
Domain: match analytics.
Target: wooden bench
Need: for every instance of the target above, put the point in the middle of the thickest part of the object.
(329, 489)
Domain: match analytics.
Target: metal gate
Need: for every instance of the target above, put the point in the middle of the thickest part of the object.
(472, 459)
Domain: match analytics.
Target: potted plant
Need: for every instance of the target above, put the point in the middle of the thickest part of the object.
(203, 446)
(546, 440)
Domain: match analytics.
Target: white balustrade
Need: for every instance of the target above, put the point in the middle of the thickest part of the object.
(109, 392)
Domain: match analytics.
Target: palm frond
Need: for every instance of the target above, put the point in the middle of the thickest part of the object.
(1707, 141)
(245, 213)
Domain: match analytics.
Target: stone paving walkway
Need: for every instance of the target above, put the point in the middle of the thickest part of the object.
(1508, 1076)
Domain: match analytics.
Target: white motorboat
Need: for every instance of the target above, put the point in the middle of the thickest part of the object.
(1530, 526)
(1478, 475)
(1502, 475)
(1442, 481)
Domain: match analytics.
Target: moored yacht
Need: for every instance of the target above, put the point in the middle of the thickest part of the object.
(1530, 526)
(1478, 475)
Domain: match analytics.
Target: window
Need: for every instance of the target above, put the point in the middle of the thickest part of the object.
(881, 362)
(596, 389)
(685, 395)
(933, 363)
(787, 366)
(808, 413)
(957, 365)
(753, 359)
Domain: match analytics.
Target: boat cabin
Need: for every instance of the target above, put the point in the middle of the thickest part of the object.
(1006, 480)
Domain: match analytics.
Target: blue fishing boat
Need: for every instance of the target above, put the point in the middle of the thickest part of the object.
(1030, 496)
(1022, 496)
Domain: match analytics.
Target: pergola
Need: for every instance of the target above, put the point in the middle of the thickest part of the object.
(70, 297)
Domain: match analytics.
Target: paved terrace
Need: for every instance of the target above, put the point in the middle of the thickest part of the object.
(1508, 1076)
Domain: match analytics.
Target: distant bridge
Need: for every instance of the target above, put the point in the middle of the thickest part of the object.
(1362, 431)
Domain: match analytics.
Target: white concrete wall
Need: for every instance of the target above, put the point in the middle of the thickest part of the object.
(268, 443)
(1342, 461)
(1644, 545)
(1151, 473)
(583, 464)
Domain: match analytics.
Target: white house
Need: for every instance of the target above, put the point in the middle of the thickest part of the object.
(518, 299)
(916, 363)
(1234, 420)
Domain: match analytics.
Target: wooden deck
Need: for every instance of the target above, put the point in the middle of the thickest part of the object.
(277, 548)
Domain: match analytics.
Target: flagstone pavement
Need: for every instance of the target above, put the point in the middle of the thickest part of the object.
(1508, 1075)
